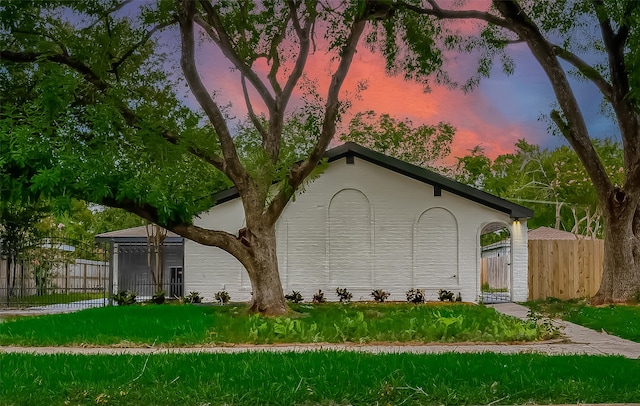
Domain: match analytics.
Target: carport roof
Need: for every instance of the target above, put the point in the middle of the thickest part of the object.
(351, 150)
(135, 234)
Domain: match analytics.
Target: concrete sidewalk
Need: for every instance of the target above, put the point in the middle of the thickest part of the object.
(581, 340)
(578, 340)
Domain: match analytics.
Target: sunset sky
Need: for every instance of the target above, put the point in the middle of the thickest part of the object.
(495, 115)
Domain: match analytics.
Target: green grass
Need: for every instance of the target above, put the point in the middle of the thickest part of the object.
(179, 325)
(55, 298)
(620, 320)
(487, 288)
(326, 378)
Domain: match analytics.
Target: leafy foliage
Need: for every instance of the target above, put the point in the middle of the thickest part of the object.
(83, 221)
(445, 295)
(101, 129)
(176, 325)
(18, 226)
(553, 182)
(19, 235)
(125, 298)
(159, 297)
(193, 297)
(415, 296)
(423, 145)
(318, 297)
(380, 295)
(344, 295)
(294, 297)
(95, 113)
(222, 297)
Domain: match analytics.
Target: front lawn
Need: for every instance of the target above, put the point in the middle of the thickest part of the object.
(180, 325)
(310, 378)
(620, 320)
(53, 298)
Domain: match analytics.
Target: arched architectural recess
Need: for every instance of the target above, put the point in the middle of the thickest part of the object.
(496, 257)
(435, 250)
(350, 240)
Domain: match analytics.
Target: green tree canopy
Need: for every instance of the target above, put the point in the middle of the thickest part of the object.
(90, 94)
(553, 182)
(423, 145)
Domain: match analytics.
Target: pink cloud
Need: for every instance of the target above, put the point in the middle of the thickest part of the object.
(475, 116)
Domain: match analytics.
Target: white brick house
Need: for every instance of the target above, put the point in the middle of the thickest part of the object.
(370, 222)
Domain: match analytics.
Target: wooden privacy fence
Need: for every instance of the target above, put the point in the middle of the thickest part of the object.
(81, 275)
(565, 269)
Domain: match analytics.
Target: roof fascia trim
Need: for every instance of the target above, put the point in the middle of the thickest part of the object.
(423, 175)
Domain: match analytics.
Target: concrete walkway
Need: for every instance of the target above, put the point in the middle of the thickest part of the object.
(581, 340)
(578, 340)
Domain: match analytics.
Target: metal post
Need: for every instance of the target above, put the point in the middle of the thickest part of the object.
(112, 270)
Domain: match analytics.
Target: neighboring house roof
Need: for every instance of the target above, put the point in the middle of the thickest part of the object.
(135, 234)
(439, 182)
(548, 233)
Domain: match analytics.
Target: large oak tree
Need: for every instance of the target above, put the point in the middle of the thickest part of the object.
(88, 88)
(597, 40)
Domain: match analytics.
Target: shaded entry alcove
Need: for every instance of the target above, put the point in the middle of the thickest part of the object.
(496, 275)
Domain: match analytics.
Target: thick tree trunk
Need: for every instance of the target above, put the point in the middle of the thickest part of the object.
(255, 248)
(621, 273)
(262, 267)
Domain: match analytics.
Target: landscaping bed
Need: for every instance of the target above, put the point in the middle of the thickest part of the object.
(195, 325)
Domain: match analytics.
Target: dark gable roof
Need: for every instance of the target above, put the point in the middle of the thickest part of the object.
(351, 149)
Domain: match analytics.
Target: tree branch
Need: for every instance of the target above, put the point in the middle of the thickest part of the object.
(212, 159)
(275, 57)
(75, 64)
(107, 12)
(301, 171)
(587, 70)
(272, 145)
(615, 45)
(252, 115)
(116, 65)
(626, 113)
(576, 130)
(215, 238)
(221, 239)
(303, 53)
(130, 117)
(63, 49)
(438, 12)
(213, 26)
(232, 168)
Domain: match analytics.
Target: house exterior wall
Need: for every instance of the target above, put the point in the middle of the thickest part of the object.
(363, 227)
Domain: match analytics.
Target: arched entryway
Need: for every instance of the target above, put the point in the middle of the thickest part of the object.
(496, 275)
